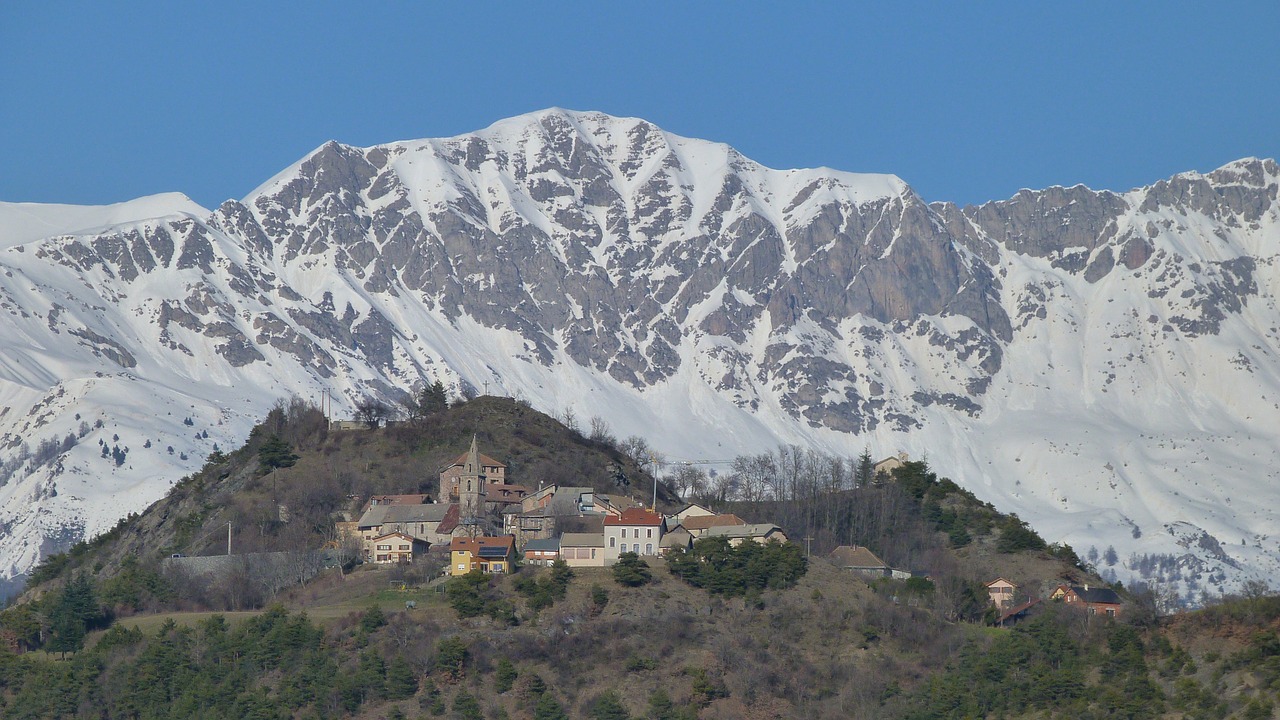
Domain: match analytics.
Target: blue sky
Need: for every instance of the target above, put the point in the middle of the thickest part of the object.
(103, 102)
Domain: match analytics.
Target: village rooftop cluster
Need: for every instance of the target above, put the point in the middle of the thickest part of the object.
(586, 528)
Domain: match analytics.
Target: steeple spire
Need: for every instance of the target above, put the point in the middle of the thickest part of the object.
(471, 490)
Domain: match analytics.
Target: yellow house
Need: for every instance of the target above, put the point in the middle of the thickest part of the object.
(486, 554)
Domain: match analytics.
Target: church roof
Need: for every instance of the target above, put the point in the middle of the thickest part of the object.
(485, 461)
(415, 513)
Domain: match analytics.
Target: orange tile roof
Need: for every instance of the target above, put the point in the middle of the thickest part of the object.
(702, 522)
(635, 516)
(473, 545)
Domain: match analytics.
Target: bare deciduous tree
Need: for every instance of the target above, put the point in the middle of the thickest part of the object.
(372, 411)
(600, 431)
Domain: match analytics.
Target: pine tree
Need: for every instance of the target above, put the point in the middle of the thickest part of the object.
(275, 453)
(433, 398)
(609, 707)
(548, 709)
(505, 676)
(74, 609)
(466, 707)
(451, 657)
(865, 471)
(402, 682)
(630, 570)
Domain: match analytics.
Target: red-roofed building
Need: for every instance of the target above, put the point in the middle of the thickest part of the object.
(636, 530)
(486, 554)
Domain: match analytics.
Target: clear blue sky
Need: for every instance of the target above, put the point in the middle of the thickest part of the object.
(103, 102)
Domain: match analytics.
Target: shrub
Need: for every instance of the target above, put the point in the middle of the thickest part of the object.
(631, 571)
(750, 568)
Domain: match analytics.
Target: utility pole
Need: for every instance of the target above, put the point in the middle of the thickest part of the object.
(653, 460)
(808, 543)
(228, 537)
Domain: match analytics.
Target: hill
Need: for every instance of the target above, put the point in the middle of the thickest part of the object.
(294, 508)
(379, 642)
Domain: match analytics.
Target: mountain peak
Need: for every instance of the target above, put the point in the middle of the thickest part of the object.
(26, 222)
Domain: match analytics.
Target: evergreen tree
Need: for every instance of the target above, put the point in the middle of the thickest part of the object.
(505, 676)
(466, 593)
(609, 707)
(631, 571)
(402, 682)
(275, 453)
(73, 610)
(660, 706)
(863, 474)
(433, 398)
(466, 707)
(451, 657)
(548, 709)
(372, 619)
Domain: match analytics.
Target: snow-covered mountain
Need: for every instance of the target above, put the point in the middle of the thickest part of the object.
(1102, 363)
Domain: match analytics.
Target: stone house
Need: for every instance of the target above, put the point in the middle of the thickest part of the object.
(545, 512)
(423, 522)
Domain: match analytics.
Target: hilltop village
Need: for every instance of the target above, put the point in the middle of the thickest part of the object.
(492, 525)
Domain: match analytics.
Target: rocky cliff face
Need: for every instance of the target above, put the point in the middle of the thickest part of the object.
(1099, 362)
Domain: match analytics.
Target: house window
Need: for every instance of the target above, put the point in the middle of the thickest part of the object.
(1111, 612)
(636, 548)
(1093, 611)
(648, 548)
(462, 566)
(613, 541)
(384, 547)
(593, 553)
(650, 531)
(404, 547)
(624, 533)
